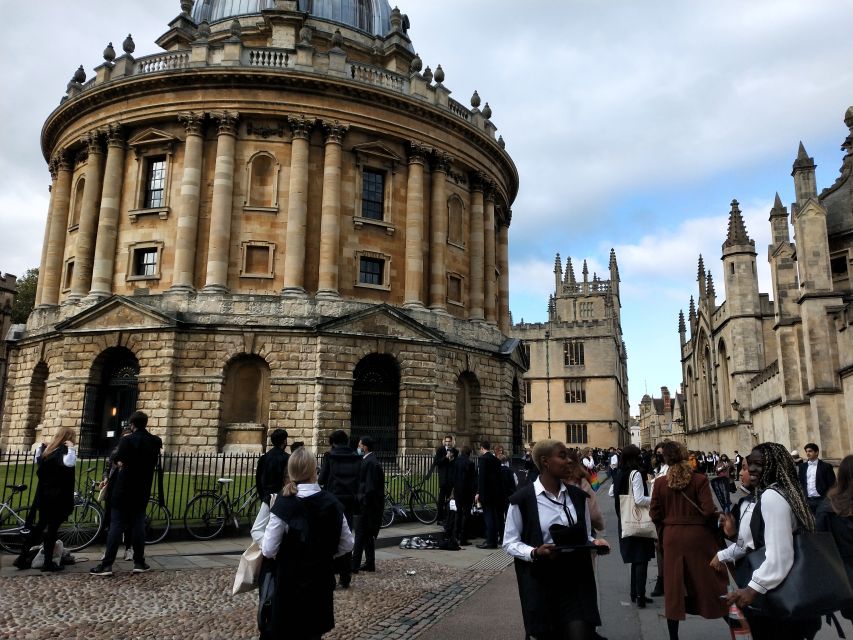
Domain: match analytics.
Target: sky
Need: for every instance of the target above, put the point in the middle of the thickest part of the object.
(633, 126)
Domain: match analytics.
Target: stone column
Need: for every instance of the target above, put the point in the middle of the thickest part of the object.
(186, 236)
(297, 208)
(43, 261)
(438, 234)
(414, 292)
(503, 267)
(490, 258)
(105, 244)
(58, 229)
(476, 268)
(330, 220)
(84, 252)
(219, 240)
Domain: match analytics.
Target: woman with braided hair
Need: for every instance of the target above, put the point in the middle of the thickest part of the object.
(780, 509)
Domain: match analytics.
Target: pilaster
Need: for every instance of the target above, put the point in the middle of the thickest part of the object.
(186, 237)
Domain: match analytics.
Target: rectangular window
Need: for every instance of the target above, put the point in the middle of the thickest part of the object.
(576, 390)
(373, 195)
(527, 351)
(257, 260)
(145, 262)
(155, 182)
(528, 432)
(454, 289)
(370, 271)
(69, 274)
(587, 309)
(528, 391)
(573, 353)
(576, 433)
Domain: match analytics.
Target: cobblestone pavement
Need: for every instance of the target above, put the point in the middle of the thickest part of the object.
(197, 604)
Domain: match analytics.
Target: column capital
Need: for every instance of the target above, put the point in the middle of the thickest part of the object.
(490, 188)
(418, 152)
(478, 181)
(227, 122)
(441, 162)
(334, 131)
(61, 160)
(192, 121)
(300, 126)
(93, 142)
(115, 134)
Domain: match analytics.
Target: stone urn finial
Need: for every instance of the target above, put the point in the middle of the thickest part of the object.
(128, 45)
(109, 53)
(475, 99)
(501, 142)
(236, 29)
(428, 75)
(396, 20)
(439, 74)
(487, 112)
(79, 75)
(417, 64)
(187, 7)
(337, 39)
(203, 32)
(306, 34)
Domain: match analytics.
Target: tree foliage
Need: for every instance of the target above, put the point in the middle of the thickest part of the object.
(26, 297)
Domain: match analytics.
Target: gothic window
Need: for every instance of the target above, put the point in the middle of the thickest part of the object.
(528, 391)
(456, 221)
(573, 353)
(587, 309)
(257, 260)
(372, 194)
(262, 174)
(77, 205)
(526, 347)
(575, 389)
(576, 433)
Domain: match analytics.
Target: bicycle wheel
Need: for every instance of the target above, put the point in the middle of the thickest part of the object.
(205, 516)
(82, 527)
(387, 514)
(11, 538)
(157, 522)
(424, 506)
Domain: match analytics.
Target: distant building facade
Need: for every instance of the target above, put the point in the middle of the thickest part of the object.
(756, 370)
(576, 389)
(8, 290)
(281, 220)
(660, 418)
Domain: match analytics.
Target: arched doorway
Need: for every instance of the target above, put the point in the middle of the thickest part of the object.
(109, 399)
(376, 401)
(245, 405)
(467, 409)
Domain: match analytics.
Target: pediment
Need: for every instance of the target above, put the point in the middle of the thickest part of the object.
(811, 207)
(117, 314)
(376, 150)
(381, 321)
(150, 137)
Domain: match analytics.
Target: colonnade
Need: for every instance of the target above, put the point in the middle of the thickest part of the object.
(424, 287)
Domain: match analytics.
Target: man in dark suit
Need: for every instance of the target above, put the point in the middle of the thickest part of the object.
(464, 490)
(489, 493)
(339, 476)
(371, 500)
(816, 476)
(137, 457)
(443, 465)
(272, 467)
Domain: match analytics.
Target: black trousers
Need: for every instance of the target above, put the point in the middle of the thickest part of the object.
(343, 564)
(365, 543)
(120, 520)
(444, 491)
(46, 531)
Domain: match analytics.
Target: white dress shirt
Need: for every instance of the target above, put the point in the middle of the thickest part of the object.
(744, 543)
(588, 463)
(640, 499)
(614, 461)
(811, 479)
(69, 459)
(778, 541)
(551, 512)
(276, 528)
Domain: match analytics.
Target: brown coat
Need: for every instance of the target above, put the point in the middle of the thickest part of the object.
(692, 586)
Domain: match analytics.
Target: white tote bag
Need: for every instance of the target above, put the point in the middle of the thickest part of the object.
(635, 519)
(249, 567)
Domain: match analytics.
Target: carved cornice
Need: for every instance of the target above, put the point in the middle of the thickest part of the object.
(300, 126)
(334, 131)
(193, 122)
(226, 122)
(418, 152)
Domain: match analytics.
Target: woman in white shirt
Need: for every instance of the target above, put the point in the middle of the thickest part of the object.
(635, 551)
(781, 508)
(306, 531)
(549, 534)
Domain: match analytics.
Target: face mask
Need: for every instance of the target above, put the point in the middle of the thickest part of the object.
(360, 451)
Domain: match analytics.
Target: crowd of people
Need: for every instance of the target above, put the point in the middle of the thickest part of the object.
(317, 527)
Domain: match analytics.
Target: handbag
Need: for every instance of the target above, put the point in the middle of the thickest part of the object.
(635, 520)
(816, 585)
(249, 567)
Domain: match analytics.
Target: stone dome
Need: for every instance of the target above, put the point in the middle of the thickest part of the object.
(370, 16)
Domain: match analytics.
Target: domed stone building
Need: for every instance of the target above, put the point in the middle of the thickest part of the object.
(282, 220)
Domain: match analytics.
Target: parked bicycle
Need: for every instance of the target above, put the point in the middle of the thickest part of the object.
(421, 503)
(208, 510)
(12, 531)
(86, 521)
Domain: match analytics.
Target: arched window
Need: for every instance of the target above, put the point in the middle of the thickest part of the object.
(467, 409)
(456, 221)
(262, 182)
(723, 388)
(245, 404)
(35, 403)
(109, 399)
(376, 401)
(707, 386)
(77, 205)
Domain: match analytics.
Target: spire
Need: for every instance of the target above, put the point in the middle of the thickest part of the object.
(570, 271)
(558, 274)
(558, 264)
(803, 160)
(737, 229)
(700, 276)
(778, 208)
(710, 285)
(692, 312)
(681, 326)
(585, 270)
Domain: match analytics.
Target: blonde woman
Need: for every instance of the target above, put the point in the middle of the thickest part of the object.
(54, 496)
(306, 532)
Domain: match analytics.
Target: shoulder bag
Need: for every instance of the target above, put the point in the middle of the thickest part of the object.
(249, 567)
(635, 519)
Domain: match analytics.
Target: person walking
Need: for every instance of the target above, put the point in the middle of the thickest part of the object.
(339, 476)
(780, 509)
(371, 500)
(722, 482)
(660, 468)
(138, 454)
(578, 476)
(271, 471)
(489, 493)
(307, 530)
(816, 477)
(635, 551)
(683, 508)
(546, 518)
(464, 490)
(55, 497)
(108, 482)
(835, 515)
